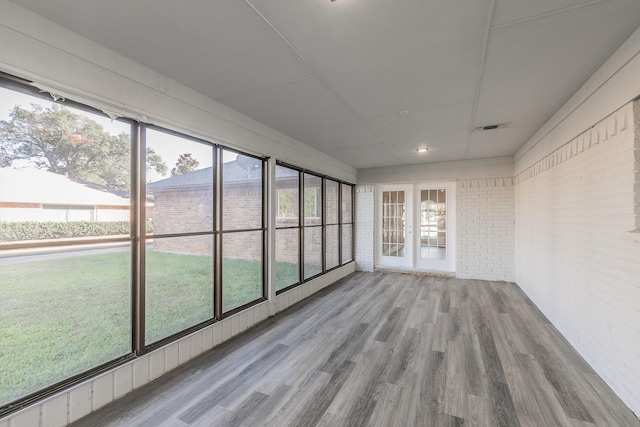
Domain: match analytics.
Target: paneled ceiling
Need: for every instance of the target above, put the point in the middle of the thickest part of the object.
(369, 81)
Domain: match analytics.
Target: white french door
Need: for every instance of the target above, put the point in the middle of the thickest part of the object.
(395, 226)
(416, 226)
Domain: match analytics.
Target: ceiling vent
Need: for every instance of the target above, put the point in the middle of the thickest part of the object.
(490, 127)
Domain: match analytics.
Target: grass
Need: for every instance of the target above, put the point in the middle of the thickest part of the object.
(64, 316)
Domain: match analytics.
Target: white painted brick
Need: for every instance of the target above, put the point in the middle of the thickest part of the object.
(576, 257)
(102, 388)
(55, 411)
(79, 402)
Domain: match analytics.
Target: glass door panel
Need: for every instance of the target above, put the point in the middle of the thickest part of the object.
(430, 209)
(394, 242)
(433, 224)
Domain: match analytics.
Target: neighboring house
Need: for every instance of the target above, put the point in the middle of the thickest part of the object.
(28, 194)
(184, 203)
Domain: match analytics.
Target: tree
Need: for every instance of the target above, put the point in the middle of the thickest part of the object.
(185, 164)
(63, 142)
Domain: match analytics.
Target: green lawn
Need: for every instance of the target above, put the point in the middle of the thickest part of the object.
(63, 316)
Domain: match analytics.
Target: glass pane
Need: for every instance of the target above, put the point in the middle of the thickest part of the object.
(347, 243)
(393, 225)
(312, 251)
(65, 172)
(180, 196)
(433, 224)
(312, 199)
(288, 201)
(241, 191)
(287, 257)
(333, 242)
(347, 203)
(179, 284)
(332, 208)
(241, 268)
(61, 313)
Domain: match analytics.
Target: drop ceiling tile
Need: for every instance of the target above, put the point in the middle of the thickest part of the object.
(433, 127)
(499, 142)
(369, 156)
(532, 68)
(507, 11)
(307, 111)
(218, 48)
(382, 57)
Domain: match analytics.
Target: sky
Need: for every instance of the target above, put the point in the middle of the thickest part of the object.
(168, 146)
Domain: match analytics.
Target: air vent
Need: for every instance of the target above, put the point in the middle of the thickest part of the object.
(490, 127)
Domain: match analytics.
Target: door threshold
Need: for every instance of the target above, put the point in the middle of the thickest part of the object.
(432, 273)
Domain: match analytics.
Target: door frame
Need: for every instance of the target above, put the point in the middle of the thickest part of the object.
(411, 261)
(394, 262)
(449, 264)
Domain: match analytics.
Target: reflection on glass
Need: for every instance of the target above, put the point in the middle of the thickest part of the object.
(312, 251)
(241, 191)
(179, 284)
(347, 243)
(241, 269)
(332, 207)
(62, 313)
(333, 242)
(287, 197)
(312, 199)
(65, 171)
(393, 223)
(433, 224)
(287, 257)
(347, 203)
(180, 196)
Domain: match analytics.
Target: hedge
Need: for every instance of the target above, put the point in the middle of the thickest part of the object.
(31, 230)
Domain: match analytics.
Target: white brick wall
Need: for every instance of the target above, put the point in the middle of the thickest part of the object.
(577, 255)
(365, 219)
(485, 229)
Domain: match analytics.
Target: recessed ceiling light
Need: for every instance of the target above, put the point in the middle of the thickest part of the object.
(422, 149)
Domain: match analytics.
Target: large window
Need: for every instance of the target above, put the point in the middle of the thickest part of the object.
(65, 242)
(312, 226)
(180, 241)
(117, 237)
(332, 221)
(287, 268)
(346, 221)
(243, 234)
(317, 238)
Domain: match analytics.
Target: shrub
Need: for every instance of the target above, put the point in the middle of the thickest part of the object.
(32, 230)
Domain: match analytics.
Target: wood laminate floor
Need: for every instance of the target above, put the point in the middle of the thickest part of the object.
(385, 350)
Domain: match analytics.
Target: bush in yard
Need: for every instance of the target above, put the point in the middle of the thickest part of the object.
(32, 230)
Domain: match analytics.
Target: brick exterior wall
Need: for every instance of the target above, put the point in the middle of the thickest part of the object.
(485, 229)
(578, 246)
(183, 211)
